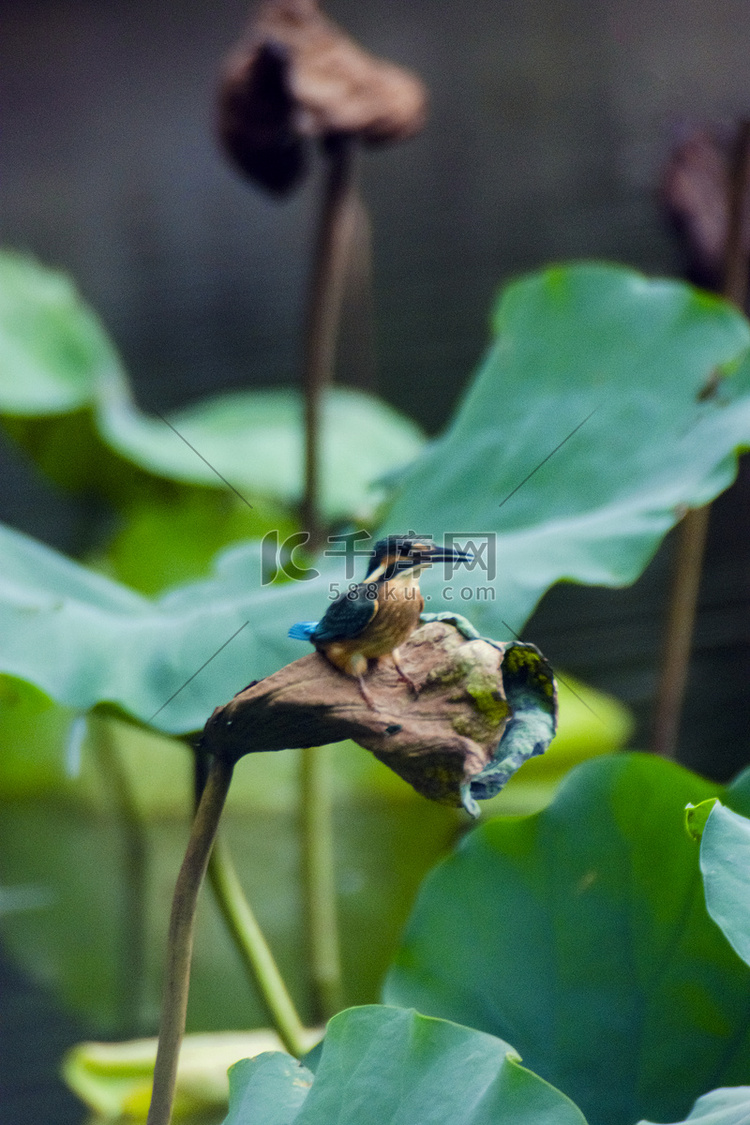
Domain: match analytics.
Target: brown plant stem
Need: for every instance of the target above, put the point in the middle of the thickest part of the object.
(318, 870)
(332, 250)
(358, 321)
(247, 935)
(338, 221)
(678, 633)
(180, 939)
(693, 530)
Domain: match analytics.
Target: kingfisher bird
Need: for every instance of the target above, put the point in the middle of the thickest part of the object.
(371, 619)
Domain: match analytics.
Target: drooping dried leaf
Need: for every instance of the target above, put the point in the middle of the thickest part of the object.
(481, 710)
(296, 76)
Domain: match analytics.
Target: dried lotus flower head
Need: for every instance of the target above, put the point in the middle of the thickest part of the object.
(481, 709)
(297, 76)
(697, 187)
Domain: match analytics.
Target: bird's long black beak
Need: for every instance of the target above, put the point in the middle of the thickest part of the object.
(437, 554)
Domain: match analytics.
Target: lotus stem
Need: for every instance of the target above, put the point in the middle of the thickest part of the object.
(693, 530)
(338, 220)
(180, 939)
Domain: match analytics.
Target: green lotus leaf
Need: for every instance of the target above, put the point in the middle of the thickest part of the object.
(65, 395)
(268, 1090)
(696, 817)
(571, 340)
(84, 639)
(580, 935)
(725, 864)
(167, 541)
(729, 1106)
(255, 440)
(607, 369)
(52, 347)
(387, 1066)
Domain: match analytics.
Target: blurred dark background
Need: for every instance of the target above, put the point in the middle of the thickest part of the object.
(549, 126)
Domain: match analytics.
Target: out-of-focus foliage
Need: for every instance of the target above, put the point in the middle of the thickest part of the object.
(626, 360)
(115, 1079)
(579, 933)
(729, 1106)
(579, 343)
(65, 396)
(601, 966)
(581, 936)
(117, 793)
(101, 851)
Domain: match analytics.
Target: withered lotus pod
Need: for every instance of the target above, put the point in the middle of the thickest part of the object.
(695, 190)
(482, 708)
(298, 76)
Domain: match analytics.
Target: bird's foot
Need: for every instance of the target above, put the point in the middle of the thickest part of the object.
(366, 695)
(403, 675)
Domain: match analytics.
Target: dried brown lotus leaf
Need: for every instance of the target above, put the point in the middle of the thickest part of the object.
(695, 190)
(448, 741)
(298, 76)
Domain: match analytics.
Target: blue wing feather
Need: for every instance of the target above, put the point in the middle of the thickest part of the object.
(303, 630)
